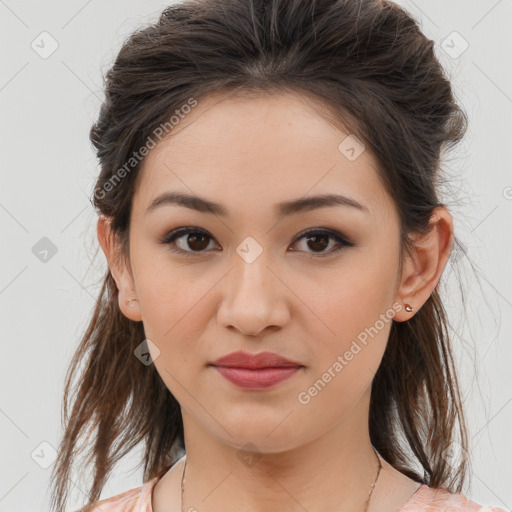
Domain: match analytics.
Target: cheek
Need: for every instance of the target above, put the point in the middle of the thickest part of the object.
(173, 306)
(173, 314)
(356, 312)
(162, 293)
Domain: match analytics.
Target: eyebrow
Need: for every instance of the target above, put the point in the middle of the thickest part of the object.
(285, 208)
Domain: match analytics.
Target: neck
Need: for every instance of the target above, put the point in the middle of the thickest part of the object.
(333, 473)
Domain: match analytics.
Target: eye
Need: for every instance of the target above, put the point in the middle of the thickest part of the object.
(317, 239)
(198, 240)
(194, 238)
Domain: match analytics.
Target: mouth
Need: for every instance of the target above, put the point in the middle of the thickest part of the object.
(255, 371)
(243, 359)
(257, 378)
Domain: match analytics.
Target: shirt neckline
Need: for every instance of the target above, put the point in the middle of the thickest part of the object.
(417, 496)
(145, 501)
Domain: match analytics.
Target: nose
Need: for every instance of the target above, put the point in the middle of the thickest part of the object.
(254, 299)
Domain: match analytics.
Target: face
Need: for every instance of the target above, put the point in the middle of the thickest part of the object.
(316, 285)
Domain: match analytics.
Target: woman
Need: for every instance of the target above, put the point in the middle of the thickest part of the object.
(270, 325)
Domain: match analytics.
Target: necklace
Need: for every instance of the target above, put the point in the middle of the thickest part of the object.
(367, 501)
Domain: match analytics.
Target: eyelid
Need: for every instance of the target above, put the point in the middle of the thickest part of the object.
(174, 234)
(342, 240)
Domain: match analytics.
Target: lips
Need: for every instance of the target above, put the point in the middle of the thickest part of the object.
(255, 361)
(255, 371)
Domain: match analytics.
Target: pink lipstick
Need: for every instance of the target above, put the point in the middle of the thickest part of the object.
(255, 371)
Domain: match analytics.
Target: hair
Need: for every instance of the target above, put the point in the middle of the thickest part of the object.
(376, 73)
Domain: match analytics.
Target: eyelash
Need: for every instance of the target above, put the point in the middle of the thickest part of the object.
(179, 232)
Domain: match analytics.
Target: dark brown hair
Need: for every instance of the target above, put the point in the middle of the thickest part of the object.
(376, 73)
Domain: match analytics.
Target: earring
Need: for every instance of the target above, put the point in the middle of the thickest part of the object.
(408, 307)
(131, 303)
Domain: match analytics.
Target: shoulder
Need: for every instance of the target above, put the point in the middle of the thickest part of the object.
(440, 500)
(134, 500)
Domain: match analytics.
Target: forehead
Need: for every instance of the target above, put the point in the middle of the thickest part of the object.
(269, 148)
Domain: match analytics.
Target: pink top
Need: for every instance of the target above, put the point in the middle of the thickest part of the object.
(425, 499)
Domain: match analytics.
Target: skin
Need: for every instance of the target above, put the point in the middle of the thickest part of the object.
(248, 154)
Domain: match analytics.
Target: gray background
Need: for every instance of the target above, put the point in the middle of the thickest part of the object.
(48, 170)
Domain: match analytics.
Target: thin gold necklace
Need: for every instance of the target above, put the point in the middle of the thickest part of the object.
(367, 501)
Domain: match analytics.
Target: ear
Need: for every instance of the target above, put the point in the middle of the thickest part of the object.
(119, 269)
(423, 268)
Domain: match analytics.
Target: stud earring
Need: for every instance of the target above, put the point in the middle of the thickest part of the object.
(131, 303)
(408, 307)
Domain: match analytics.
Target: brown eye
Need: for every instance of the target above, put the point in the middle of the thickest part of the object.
(318, 241)
(196, 241)
(188, 240)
